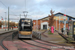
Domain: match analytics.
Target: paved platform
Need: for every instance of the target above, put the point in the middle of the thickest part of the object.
(55, 38)
(3, 30)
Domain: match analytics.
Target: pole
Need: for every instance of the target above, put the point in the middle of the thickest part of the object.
(5, 21)
(56, 24)
(20, 16)
(36, 25)
(40, 22)
(64, 24)
(25, 4)
(8, 18)
(2, 22)
(59, 23)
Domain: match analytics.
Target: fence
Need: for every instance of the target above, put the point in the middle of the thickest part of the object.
(14, 34)
(37, 35)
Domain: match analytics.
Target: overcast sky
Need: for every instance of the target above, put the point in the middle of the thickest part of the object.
(36, 8)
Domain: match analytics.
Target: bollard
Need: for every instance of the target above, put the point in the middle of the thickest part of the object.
(14, 34)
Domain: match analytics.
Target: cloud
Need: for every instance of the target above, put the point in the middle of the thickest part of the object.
(69, 11)
(59, 3)
(40, 8)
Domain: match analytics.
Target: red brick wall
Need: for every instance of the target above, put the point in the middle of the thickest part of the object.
(39, 24)
(61, 24)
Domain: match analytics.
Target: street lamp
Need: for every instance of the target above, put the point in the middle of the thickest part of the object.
(5, 21)
(59, 23)
(64, 24)
(56, 23)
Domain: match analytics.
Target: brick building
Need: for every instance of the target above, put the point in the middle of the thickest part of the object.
(58, 18)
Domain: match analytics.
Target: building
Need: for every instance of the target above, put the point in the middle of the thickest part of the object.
(58, 21)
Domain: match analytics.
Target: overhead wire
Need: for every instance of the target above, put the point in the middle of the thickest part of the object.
(3, 3)
(6, 6)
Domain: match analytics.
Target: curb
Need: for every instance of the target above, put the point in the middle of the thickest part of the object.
(7, 32)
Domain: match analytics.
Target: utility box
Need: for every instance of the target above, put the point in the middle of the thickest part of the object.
(71, 34)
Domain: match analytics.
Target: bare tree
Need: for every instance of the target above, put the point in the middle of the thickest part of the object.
(51, 20)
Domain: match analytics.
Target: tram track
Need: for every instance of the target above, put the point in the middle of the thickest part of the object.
(4, 36)
(42, 44)
(2, 42)
(45, 44)
(35, 45)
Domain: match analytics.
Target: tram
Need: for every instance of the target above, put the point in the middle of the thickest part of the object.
(25, 28)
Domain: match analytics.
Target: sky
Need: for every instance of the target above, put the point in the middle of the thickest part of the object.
(36, 9)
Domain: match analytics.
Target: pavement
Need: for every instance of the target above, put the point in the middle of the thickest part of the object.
(54, 38)
(3, 30)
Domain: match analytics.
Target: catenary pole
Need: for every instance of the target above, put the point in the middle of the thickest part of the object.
(5, 21)
(20, 16)
(8, 18)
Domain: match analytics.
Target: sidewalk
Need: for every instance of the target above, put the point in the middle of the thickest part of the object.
(54, 38)
(3, 30)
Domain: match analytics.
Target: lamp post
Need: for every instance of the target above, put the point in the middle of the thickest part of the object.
(5, 21)
(59, 23)
(56, 23)
(8, 18)
(40, 23)
(37, 23)
(64, 24)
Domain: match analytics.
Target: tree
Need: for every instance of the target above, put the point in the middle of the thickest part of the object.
(0, 23)
(11, 24)
(16, 24)
(51, 20)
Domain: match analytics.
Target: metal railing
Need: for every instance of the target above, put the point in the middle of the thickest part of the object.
(14, 34)
(37, 35)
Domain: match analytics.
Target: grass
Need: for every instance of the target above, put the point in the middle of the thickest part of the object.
(50, 32)
(69, 33)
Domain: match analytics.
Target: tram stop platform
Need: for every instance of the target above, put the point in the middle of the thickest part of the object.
(2, 31)
(54, 38)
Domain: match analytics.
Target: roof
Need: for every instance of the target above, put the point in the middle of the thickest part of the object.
(58, 13)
